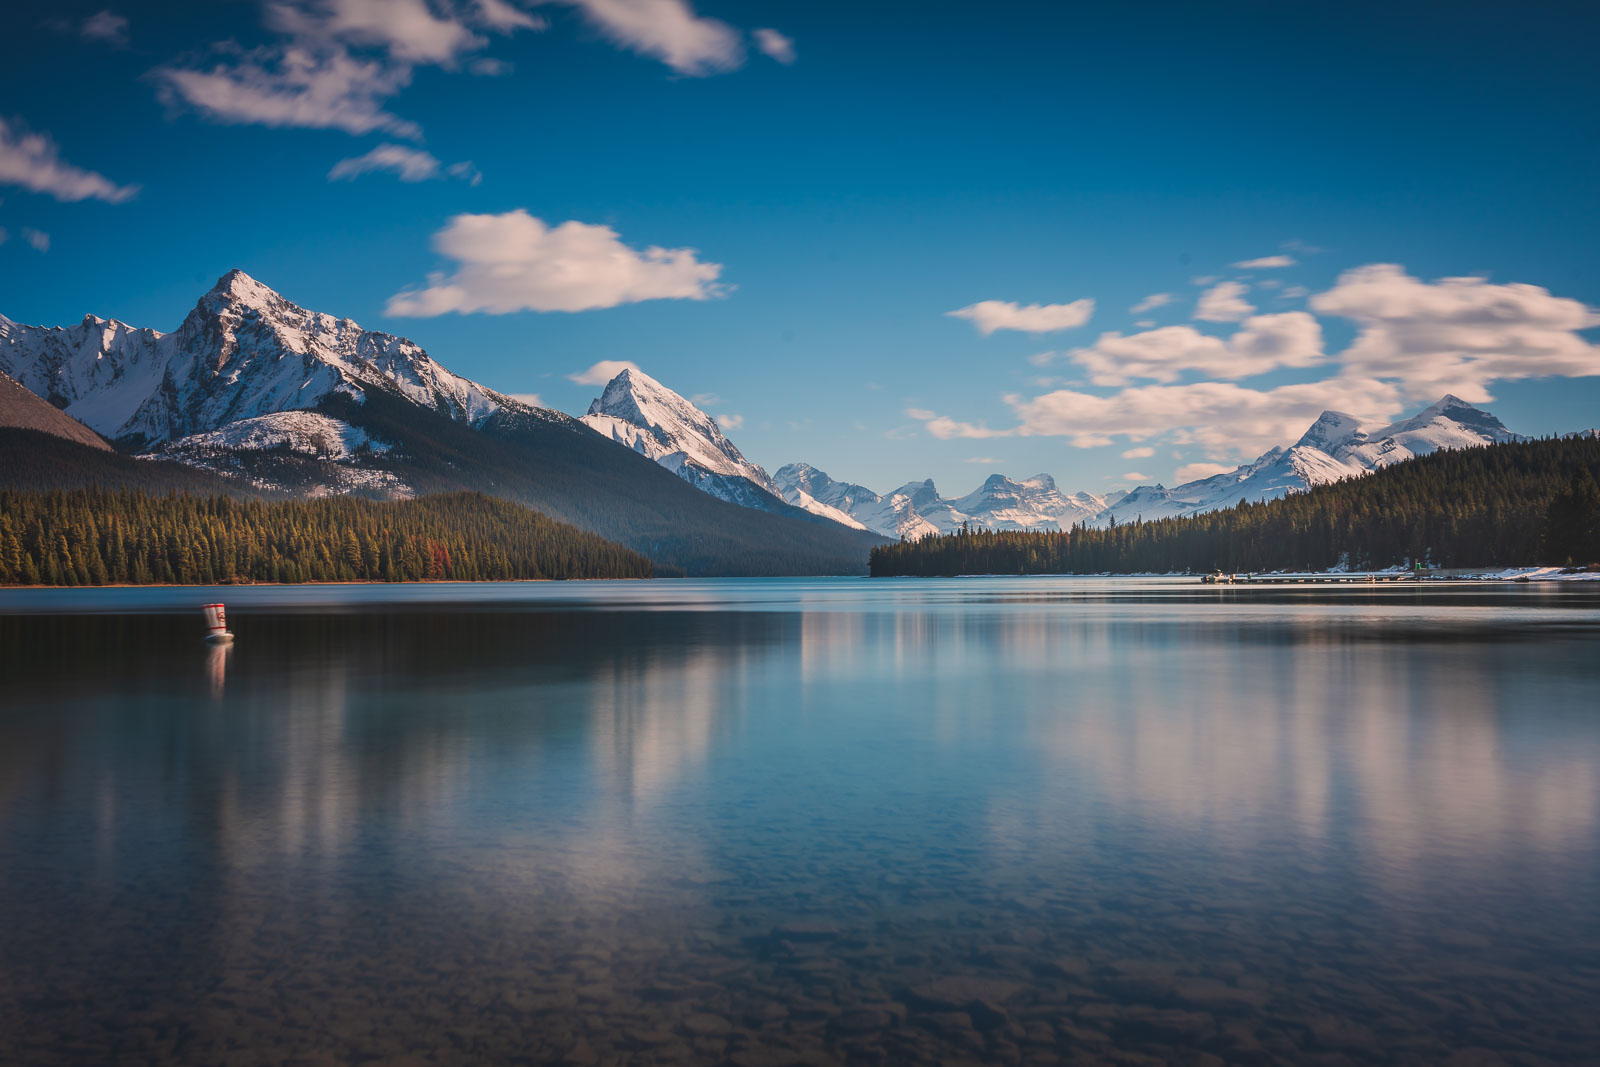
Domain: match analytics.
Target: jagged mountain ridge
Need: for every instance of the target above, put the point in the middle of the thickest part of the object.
(640, 413)
(1332, 448)
(257, 395)
(242, 352)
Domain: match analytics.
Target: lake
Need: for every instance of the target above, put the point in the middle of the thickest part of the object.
(802, 821)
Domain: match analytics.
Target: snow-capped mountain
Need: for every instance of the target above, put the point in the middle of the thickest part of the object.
(243, 351)
(1031, 504)
(916, 509)
(640, 413)
(1332, 449)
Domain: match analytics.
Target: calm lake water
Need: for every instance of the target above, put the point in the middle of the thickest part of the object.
(790, 821)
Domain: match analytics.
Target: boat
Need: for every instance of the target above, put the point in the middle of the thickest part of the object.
(217, 632)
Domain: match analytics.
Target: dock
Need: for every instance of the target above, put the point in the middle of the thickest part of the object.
(1371, 578)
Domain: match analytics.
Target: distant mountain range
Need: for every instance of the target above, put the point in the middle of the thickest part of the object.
(640, 412)
(268, 397)
(264, 395)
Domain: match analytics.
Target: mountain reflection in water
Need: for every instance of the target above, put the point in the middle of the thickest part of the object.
(1003, 820)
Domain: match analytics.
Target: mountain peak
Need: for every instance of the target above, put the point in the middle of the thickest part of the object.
(637, 411)
(1332, 429)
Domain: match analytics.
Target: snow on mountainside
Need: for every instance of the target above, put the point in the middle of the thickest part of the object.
(1331, 449)
(243, 351)
(639, 412)
(916, 509)
(272, 452)
(305, 433)
(1032, 504)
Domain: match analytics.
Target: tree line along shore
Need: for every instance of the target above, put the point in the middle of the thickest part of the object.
(134, 537)
(1497, 506)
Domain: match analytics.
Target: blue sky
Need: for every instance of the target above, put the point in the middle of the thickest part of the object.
(826, 208)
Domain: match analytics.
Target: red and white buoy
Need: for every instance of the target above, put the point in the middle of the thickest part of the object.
(217, 625)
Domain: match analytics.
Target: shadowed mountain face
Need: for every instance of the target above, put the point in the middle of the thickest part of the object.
(256, 395)
(22, 410)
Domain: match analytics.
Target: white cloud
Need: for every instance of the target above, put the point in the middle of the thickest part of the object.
(515, 262)
(730, 422)
(666, 29)
(1224, 302)
(1457, 335)
(338, 61)
(1150, 303)
(1202, 279)
(1190, 472)
(531, 399)
(776, 45)
(409, 164)
(37, 238)
(946, 428)
(1263, 343)
(991, 315)
(1145, 324)
(1143, 452)
(296, 86)
(1266, 263)
(408, 30)
(1135, 476)
(705, 400)
(602, 372)
(33, 161)
(985, 459)
(1294, 292)
(105, 26)
(1269, 283)
(505, 17)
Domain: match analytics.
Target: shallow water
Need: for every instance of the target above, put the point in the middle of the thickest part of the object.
(782, 821)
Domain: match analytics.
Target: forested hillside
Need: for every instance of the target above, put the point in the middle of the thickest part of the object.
(96, 537)
(1501, 505)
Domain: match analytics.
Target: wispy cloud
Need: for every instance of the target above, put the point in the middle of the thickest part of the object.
(33, 161)
(1144, 452)
(730, 422)
(602, 372)
(1263, 343)
(531, 399)
(1224, 302)
(37, 238)
(1150, 303)
(105, 26)
(991, 315)
(775, 45)
(408, 164)
(516, 262)
(1266, 263)
(669, 30)
(947, 428)
(1458, 334)
(337, 62)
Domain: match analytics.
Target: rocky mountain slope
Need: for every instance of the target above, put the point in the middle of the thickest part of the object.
(21, 409)
(266, 396)
(1332, 448)
(640, 413)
